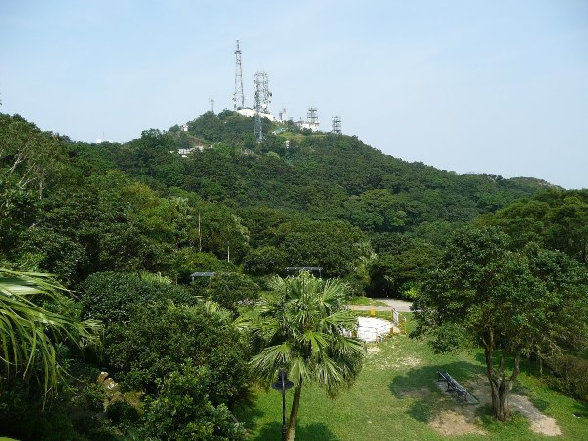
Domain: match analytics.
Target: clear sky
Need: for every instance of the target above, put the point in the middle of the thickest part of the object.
(495, 87)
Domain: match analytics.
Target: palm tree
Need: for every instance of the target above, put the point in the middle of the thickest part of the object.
(300, 324)
(29, 332)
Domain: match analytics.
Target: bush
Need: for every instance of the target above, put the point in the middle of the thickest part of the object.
(183, 411)
(266, 260)
(571, 374)
(160, 337)
(109, 296)
(231, 289)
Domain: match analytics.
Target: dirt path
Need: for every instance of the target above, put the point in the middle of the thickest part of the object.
(399, 305)
(540, 423)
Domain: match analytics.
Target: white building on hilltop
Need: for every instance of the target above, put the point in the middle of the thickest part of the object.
(246, 111)
(312, 122)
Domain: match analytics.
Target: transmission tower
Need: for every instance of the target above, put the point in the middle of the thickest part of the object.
(238, 96)
(262, 99)
(337, 125)
(312, 116)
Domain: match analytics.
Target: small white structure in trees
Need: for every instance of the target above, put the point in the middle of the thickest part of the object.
(371, 329)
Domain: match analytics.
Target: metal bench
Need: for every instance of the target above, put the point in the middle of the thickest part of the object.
(453, 385)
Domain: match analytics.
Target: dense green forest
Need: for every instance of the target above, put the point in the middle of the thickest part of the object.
(121, 227)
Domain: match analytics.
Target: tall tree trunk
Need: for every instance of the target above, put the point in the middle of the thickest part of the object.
(500, 390)
(500, 385)
(292, 425)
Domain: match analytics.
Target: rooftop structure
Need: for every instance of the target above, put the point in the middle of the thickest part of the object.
(312, 122)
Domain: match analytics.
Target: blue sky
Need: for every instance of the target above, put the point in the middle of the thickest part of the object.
(471, 86)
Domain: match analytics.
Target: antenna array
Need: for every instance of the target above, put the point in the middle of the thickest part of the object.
(262, 97)
(238, 96)
(337, 125)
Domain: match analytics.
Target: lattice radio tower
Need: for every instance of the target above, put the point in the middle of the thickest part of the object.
(262, 99)
(312, 116)
(337, 125)
(238, 96)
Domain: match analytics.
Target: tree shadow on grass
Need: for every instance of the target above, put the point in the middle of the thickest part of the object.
(581, 410)
(308, 432)
(247, 414)
(419, 386)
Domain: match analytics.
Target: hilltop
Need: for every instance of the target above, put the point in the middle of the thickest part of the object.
(297, 199)
(319, 173)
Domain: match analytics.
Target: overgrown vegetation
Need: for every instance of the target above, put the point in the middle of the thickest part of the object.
(124, 227)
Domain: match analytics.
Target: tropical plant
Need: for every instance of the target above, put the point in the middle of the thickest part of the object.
(30, 332)
(301, 325)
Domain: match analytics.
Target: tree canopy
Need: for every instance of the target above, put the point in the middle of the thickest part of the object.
(509, 303)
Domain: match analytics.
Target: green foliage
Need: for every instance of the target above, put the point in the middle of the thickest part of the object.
(556, 219)
(110, 296)
(30, 332)
(182, 411)
(514, 303)
(54, 252)
(376, 210)
(159, 337)
(335, 245)
(266, 260)
(392, 272)
(571, 374)
(32, 423)
(230, 290)
(300, 326)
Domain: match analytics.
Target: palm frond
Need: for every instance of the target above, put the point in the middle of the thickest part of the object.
(29, 332)
(268, 362)
(303, 320)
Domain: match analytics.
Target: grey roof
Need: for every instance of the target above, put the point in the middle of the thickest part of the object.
(304, 268)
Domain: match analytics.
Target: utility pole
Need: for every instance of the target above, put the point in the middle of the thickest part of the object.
(199, 235)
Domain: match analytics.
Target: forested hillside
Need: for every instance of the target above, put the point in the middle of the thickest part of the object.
(297, 199)
(124, 226)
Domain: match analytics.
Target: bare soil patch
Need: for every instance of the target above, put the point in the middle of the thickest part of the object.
(540, 423)
(455, 423)
(373, 350)
(459, 418)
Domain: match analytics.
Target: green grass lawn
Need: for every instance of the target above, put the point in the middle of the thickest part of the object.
(395, 397)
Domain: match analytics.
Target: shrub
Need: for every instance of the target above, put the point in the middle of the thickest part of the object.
(182, 411)
(571, 374)
(160, 337)
(231, 289)
(109, 296)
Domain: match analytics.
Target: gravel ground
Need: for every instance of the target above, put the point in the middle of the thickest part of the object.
(400, 305)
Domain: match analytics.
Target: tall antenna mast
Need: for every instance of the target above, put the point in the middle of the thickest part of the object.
(262, 99)
(337, 125)
(238, 96)
(212, 105)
